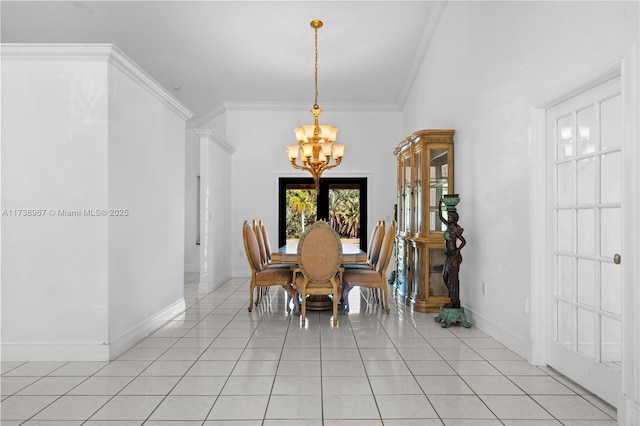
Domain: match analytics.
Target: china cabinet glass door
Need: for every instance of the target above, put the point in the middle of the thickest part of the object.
(438, 184)
(418, 220)
(406, 193)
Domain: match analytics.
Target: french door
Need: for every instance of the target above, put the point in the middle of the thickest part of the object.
(340, 201)
(585, 135)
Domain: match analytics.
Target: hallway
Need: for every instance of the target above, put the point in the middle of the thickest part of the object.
(218, 364)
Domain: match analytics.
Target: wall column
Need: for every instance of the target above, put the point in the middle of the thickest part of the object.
(214, 209)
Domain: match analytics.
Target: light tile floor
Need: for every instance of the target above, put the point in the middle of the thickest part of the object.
(217, 364)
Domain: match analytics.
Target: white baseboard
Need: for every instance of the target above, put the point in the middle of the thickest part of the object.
(192, 268)
(90, 351)
(207, 287)
(135, 334)
(512, 341)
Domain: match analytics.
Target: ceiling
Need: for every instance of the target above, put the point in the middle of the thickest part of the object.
(211, 54)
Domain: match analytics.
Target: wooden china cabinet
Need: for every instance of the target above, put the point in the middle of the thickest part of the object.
(425, 174)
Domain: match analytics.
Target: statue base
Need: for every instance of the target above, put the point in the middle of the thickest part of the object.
(448, 316)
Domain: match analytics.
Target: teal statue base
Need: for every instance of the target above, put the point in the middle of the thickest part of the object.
(448, 316)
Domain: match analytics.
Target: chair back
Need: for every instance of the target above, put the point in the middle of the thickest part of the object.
(251, 247)
(376, 244)
(387, 248)
(373, 235)
(266, 241)
(258, 234)
(319, 252)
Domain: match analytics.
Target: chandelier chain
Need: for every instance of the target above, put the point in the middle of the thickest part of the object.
(315, 104)
(315, 142)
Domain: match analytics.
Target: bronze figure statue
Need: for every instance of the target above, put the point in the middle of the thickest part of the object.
(454, 242)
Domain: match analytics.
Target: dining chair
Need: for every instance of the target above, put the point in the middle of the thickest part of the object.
(265, 249)
(319, 266)
(265, 255)
(263, 276)
(372, 278)
(373, 250)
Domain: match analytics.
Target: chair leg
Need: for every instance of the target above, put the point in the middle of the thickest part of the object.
(288, 308)
(345, 297)
(386, 297)
(252, 287)
(335, 307)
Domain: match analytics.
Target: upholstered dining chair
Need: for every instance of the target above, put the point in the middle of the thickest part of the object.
(265, 254)
(319, 265)
(263, 276)
(372, 278)
(373, 249)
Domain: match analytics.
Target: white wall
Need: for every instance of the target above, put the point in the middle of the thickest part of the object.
(192, 165)
(261, 137)
(54, 156)
(488, 63)
(84, 128)
(487, 66)
(147, 176)
(215, 208)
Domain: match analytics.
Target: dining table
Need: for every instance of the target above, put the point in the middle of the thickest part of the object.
(288, 254)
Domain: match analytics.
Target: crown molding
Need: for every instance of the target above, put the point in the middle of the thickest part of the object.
(94, 52)
(203, 119)
(233, 106)
(298, 106)
(215, 138)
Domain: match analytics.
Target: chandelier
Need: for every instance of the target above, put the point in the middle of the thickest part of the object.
(315, 141)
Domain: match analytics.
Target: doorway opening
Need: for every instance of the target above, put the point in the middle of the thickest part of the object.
(342, 202)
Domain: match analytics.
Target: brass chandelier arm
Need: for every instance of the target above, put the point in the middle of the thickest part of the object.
(315, 168)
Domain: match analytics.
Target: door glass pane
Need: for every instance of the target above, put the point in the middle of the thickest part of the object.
(565, 278)
(342, 202)
(301, 205)
(587, 282)
(610, 177)
(437, 286)
(565, 230)
(586, 332)
(565, 323)
(586, 181)
(344, 213)
(587, 136)
(610, 232)
(611, 122)
(586, 224)
(565, 184)
(611, 288)
(611, 344)
(565, 138)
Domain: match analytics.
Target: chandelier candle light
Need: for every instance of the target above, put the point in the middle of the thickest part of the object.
(314, 140)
